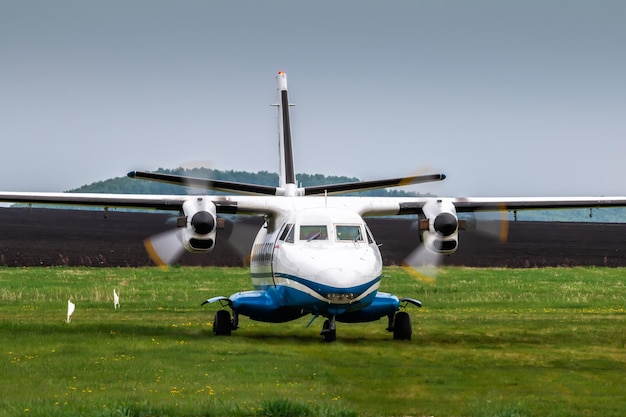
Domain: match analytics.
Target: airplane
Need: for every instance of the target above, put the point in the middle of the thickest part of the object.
(314, 254)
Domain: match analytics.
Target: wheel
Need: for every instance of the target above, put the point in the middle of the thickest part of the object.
(222, 325)
(328, 334)
(402, 329)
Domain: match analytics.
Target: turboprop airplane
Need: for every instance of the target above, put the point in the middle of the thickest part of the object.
(314, 254)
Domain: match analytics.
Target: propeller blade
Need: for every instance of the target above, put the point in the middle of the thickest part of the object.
(239, 235)
(165, 248)
(423, 264)
(492, 224)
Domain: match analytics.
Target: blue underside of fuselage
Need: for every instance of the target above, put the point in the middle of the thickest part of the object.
(281, 303)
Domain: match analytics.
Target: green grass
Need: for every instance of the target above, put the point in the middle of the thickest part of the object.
(527, 342)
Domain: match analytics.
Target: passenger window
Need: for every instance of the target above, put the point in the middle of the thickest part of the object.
(352, 233)
(309, 233)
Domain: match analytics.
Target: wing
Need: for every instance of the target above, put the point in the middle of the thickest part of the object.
(476, 204)
(439, 224)
(535, 203)
(223, 204)
(196, 225)
(139, 201)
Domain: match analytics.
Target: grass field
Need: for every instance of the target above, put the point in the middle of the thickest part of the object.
(519, 342)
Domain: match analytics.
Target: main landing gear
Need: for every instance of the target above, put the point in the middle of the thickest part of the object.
(399, 323)
(223, 325)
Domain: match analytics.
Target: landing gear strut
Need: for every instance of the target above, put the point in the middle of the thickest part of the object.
(329, 331)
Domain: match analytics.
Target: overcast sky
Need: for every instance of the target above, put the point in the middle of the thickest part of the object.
(505, 97)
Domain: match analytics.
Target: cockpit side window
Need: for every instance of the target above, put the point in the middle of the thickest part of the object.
(313, 232)
(349, 232)
(370, 239)
(287, 233)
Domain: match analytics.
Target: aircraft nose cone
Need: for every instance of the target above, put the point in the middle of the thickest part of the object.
(339, 275)
(351, 278)
(342, 285)
(346, 268)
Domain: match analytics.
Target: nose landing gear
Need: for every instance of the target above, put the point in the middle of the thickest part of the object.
(329, 331)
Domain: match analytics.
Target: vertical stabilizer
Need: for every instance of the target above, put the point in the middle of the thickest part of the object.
(286, 173)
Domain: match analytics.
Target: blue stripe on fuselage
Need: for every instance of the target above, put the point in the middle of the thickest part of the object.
(280, 304)
(303, 299)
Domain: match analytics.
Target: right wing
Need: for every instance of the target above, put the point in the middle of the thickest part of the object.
(196, 225)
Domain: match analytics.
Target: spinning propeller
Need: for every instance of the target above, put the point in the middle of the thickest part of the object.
(439, 227)
(197, 225)
(165, 248)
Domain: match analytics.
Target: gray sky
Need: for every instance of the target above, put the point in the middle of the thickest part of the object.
(505, 97)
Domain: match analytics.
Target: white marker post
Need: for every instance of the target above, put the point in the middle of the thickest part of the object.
(70, 310)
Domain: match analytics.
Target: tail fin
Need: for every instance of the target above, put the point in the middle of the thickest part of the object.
(286, 173)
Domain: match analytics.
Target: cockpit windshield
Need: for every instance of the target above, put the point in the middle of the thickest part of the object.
(349, 232)
(318, 232)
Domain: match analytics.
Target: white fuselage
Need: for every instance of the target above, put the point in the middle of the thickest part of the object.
(322, 260)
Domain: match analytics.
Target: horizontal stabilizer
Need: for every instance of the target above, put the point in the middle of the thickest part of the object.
(350, 187)
(204, 183)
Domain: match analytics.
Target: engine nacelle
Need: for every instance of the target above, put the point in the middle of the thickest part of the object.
(439, 226)
(199, 223)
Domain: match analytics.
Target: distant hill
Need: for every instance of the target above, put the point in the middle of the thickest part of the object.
(125, 185)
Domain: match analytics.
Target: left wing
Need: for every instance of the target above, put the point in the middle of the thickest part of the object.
(535, 203)
(439, 224)
(476, 204)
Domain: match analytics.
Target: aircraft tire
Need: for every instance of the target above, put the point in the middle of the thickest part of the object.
(402, 328)
(328, 335)
(222, 325)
